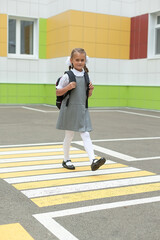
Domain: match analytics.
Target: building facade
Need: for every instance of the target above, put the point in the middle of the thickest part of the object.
(121, 37)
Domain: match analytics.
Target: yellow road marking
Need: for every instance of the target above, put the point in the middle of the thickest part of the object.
(56, 170)
(61, 182)
(98, 194)
(29, 148)
(13, 232)
(40, 162)
(38, 154)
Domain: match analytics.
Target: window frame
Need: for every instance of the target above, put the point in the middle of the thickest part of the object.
(152, 35)
(18, 40)
(156, 28)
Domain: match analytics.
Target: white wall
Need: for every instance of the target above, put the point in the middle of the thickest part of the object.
(47, 8)
(23, 71)
(127, 8)
(141, 72)
(25, 8)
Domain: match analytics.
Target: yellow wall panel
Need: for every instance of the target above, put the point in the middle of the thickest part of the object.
(113, 51)
(102, 35)
(124, 38)
(125, 24)
(3, 35)
(73, 44)
(51, 37)
(76, 18)
(63, 19)
(114, 37)
(90, 49)
(50, 51)
(75, 33)
(102, 21)
(58, 21)
(3, 21)
(101, 50)
(124, 52)
(57, 50)
(3, 49)
(62, 49)
(90, 19)
(114, 22)
(58, 35)
(50, 24)
(65, 34)
(89, 34)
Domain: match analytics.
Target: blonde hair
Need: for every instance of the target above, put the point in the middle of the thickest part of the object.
(79, 50)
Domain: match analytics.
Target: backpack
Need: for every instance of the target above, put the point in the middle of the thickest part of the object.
(72, 78)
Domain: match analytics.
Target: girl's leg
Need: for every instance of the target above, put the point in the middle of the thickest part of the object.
(88, 145)
(66, 144)
(95, 163)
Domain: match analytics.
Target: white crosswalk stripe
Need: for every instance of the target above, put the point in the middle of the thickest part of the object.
(35, 151)
(48, 166)
(68, 175)
(22, 159)
(89, 186)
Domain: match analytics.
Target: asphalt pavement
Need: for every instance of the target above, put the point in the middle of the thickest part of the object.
(40, 200)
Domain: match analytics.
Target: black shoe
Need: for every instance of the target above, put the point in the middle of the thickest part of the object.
(97, 163)
(68, 166)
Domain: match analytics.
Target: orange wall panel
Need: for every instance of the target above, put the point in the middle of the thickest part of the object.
(102, 36)
(3, 35)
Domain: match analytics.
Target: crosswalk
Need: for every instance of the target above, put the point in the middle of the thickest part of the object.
(37, 172)
(14, 231)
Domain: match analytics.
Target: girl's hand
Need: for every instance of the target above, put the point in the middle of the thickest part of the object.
(91, 86)
(90, 89)
(71, 85)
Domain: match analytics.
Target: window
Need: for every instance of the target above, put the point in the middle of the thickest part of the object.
(22, 38)
(157, 33)
(154, 35)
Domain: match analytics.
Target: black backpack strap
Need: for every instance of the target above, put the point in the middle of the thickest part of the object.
(71, 76)
(87, 84)
(71, 79)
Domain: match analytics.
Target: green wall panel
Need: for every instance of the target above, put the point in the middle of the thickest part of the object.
(22, 93)
(50, 94)
(109, 96)
(144, 97)
(103, 96)
(42, 38)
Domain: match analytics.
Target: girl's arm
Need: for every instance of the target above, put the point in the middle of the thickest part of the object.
(70, 86)
(90, 89)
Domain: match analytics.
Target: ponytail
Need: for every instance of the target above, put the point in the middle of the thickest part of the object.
(86, 69)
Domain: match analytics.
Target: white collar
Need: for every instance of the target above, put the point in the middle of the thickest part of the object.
(78, 73)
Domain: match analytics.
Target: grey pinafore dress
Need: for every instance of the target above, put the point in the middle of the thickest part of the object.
(76, 116)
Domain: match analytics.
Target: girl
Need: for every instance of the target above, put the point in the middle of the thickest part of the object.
(75, 116)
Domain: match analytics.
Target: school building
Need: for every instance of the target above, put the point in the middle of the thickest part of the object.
(121, 37)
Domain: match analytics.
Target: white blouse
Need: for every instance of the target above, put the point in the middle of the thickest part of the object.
(65, 78)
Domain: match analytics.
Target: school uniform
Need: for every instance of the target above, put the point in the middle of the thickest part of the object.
(75, 116)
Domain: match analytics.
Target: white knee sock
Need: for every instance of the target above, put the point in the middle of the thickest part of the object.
(88, 145)
(66, 144)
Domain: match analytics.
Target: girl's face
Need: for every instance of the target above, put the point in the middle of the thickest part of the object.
(78, 61)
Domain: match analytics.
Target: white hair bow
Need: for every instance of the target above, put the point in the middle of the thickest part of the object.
(68, 62)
